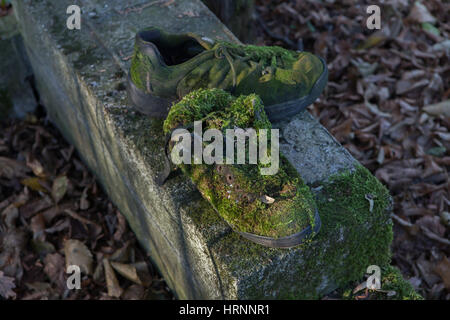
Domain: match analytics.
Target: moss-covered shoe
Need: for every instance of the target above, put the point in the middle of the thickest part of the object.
(167, 66)
(275, 210)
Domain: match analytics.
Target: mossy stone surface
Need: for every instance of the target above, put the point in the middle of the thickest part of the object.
(80, 76)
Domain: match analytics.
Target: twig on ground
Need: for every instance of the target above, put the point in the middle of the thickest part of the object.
(428, 233)
(401, 222)
(434, 236)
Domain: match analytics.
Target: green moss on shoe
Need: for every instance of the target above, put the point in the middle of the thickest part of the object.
(351, 238)
(237, 191)
(181, 63)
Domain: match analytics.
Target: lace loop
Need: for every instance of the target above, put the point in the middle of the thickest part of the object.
(222, 52)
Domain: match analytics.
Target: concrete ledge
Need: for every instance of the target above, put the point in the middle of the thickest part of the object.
(81, 75)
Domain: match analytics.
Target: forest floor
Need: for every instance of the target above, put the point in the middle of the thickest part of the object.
(380, 104)
(387, 102)
(53, 214)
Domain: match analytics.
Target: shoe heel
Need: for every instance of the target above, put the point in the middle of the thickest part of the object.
(146, 103)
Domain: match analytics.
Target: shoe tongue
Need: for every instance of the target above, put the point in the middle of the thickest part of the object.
(205, 42)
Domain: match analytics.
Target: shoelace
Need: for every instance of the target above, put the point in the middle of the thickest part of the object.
(221, 52)
(232, 54)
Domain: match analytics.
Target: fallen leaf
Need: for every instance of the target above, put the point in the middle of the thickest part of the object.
(84, 203)
(426, 26)
(59, 188)
(37, 225)
(445, 218)
(441, 46)
(10, 215)
(437, 109)
(6, 286)
(419, 13)
(364, 68)
(10, 168)
(78, 254)
(36, 167)
(54, 269)
(136, 272)
(443, 270)
(266, 199)
(359, 287)
(41, 247)
(34, 183)
(112, 284)
(121, 226)
(127, 270)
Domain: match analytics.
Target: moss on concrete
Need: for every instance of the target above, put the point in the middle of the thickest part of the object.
(352, 237)
(392, 280)
(393, 287)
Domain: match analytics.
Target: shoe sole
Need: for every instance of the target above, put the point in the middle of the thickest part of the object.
(158, 107)
(286, 242)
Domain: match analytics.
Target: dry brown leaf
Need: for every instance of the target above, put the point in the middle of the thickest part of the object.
(34, 183)
(419, 13)
(10, 168)
(6, 286)
(59, 188)
(36, 167)
(443, 270)
(84, 202)
(78, 254)
(445, 218)
(37, 226)
(112, 284)
(54, 269)
(120, 227)
(438, 109)
(9, 216)
(127, 270)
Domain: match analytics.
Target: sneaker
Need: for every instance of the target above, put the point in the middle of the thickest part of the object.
(275, 210)
(165, 67)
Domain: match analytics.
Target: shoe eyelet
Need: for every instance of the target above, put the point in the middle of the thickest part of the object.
(266, 70)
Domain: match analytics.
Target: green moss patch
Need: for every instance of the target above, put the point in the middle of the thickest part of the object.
(272, 72)
(393, 287)
(352, 238)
